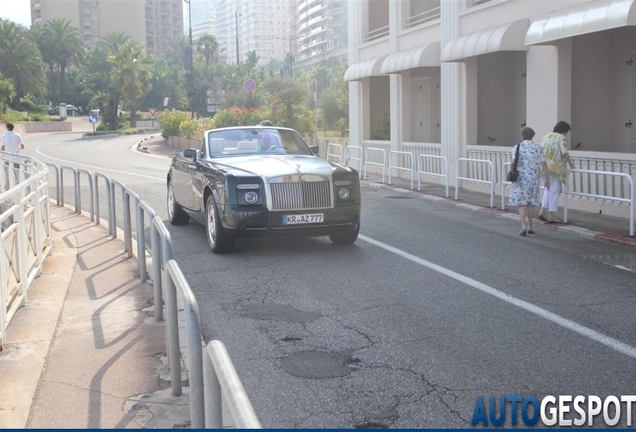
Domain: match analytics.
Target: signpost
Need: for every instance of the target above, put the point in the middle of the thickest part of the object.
(250, 86)
(92, 119)
(165, 101)
(152, 112)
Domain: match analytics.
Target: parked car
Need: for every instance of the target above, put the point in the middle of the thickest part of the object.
(262, 181)
(70, 110)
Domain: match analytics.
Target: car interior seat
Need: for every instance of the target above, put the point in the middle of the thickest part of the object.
(246, 145)
(216, 145)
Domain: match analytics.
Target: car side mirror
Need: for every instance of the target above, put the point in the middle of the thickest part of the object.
(314, 149)
(190, 153)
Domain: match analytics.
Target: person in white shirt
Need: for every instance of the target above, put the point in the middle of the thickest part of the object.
(12, 143)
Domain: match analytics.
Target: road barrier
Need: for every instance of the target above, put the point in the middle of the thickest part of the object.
(490, 182)
(407, 166)
(167, 278)
(377, 157)
(358, 157)
(338, 155)
(421, 170)
(25, 231)
(629, 200)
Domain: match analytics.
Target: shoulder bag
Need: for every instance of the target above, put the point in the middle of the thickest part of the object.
(513, 174)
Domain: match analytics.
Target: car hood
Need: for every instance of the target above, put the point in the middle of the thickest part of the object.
(278, 165)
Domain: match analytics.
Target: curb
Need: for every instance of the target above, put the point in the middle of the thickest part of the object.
(570, 230)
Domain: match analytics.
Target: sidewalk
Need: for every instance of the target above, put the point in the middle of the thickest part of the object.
(86, 352)
(582, 224)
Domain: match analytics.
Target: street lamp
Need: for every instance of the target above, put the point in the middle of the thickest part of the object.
(291, 56)
(189, 65)
(236, 15)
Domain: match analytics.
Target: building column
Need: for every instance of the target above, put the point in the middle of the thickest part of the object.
(452, 90)
(356, 113)
(549, 86)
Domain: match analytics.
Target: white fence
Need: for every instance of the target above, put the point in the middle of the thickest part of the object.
(26, 240)
(334, 152)
(25, 231)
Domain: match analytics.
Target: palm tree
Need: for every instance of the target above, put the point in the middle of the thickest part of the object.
(251, 60)
(20, 61)
(176, 50)
(208, 45)
(66, 45)
(131, 70)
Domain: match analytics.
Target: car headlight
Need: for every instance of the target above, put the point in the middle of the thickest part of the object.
(251, 197)
(343, 193)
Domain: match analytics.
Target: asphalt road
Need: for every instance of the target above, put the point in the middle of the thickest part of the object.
(431, 308)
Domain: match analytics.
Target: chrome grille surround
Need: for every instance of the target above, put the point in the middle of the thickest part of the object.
(301, 192)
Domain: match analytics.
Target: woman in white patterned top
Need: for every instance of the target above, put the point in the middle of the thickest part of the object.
(525, 191)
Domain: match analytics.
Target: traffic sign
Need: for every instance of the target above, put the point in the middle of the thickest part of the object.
(92, 118)
(152, 111)
(165, 101)
(212, 108)
(250, 85)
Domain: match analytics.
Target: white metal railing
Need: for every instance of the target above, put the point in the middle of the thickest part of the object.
(409, 165)
(583, 182)
(629, 200)
(167, 279)
(25, 231)
(332, 146)
(359, 157)
(377, 34)
(491, 182)
(424, 168)
(504, 183)
(473, 3)
(375, 157)
(423, 17)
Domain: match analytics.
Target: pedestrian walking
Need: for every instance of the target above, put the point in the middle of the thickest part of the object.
(12, 143)
(527, 158)
(556, 148)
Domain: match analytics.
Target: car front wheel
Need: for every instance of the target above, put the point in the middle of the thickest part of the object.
(348, 238)
(218, 240)
(176, 214)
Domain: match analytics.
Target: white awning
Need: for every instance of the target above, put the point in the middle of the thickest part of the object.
(424, 56)
(582, 19)
(506, 37)
(364, 69)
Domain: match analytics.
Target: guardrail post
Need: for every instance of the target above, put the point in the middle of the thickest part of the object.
(212, 395)
(155, 244)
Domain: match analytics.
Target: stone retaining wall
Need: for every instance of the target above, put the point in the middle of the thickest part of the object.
(184, 143)
(41, 127)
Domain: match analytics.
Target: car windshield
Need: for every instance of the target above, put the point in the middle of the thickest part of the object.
(244, 141)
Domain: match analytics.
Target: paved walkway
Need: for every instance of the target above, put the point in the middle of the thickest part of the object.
(86, 351)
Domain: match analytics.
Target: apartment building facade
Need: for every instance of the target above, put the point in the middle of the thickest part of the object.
(263, 26)
(151, 23)
(322, 31)
(459, 78)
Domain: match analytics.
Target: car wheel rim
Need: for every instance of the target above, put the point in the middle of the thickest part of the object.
(170, 202)
(211, 224)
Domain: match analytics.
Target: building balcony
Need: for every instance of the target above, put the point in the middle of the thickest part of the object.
(423, 17)
(36, 7)
(375, 34)
(473, 3)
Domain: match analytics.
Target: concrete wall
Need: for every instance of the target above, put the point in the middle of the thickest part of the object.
(184, 143)
(41, 127)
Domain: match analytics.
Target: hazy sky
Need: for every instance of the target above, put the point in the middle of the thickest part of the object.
(16, 10)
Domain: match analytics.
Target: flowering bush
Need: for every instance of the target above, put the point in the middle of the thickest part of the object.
(194, 129)
(235, 116)
(171, 121)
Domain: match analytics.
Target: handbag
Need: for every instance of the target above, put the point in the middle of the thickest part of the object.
(513, 174)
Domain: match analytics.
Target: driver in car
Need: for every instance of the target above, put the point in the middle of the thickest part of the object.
(269, 142)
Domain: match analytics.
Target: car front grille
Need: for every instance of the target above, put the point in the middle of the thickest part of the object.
(301, 195)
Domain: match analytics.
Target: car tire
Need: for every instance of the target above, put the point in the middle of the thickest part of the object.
(345, 239)
(176, 213)
(218, 240)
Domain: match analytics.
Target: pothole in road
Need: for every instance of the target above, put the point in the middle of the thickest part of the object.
(317, 364)
(278, 312)
(371, 425)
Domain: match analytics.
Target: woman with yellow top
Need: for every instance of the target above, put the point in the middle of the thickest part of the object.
(556, 149)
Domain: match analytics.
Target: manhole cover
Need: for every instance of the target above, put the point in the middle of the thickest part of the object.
(317, 365)
(400, 197)
(278, 312)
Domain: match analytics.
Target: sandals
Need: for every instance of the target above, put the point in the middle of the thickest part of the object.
(530, 231)
(523, 233)
(542, 218)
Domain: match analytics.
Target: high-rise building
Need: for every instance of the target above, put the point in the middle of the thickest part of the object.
(322, 31)
(267, 27)
(151, 23)
(202, 19)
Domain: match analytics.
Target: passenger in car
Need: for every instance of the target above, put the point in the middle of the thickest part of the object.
(269, 142)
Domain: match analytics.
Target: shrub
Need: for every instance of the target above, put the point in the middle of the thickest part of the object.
(170, 122)
(235, 116)
(194, 129)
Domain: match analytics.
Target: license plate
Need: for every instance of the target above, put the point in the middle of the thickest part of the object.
(303, 219)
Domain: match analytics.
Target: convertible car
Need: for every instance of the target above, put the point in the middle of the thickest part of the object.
(262, 181)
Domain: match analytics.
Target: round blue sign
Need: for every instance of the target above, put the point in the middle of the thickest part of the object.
(250, 85)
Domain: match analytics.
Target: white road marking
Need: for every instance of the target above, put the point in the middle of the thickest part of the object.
(612, 343)
(37, 150)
